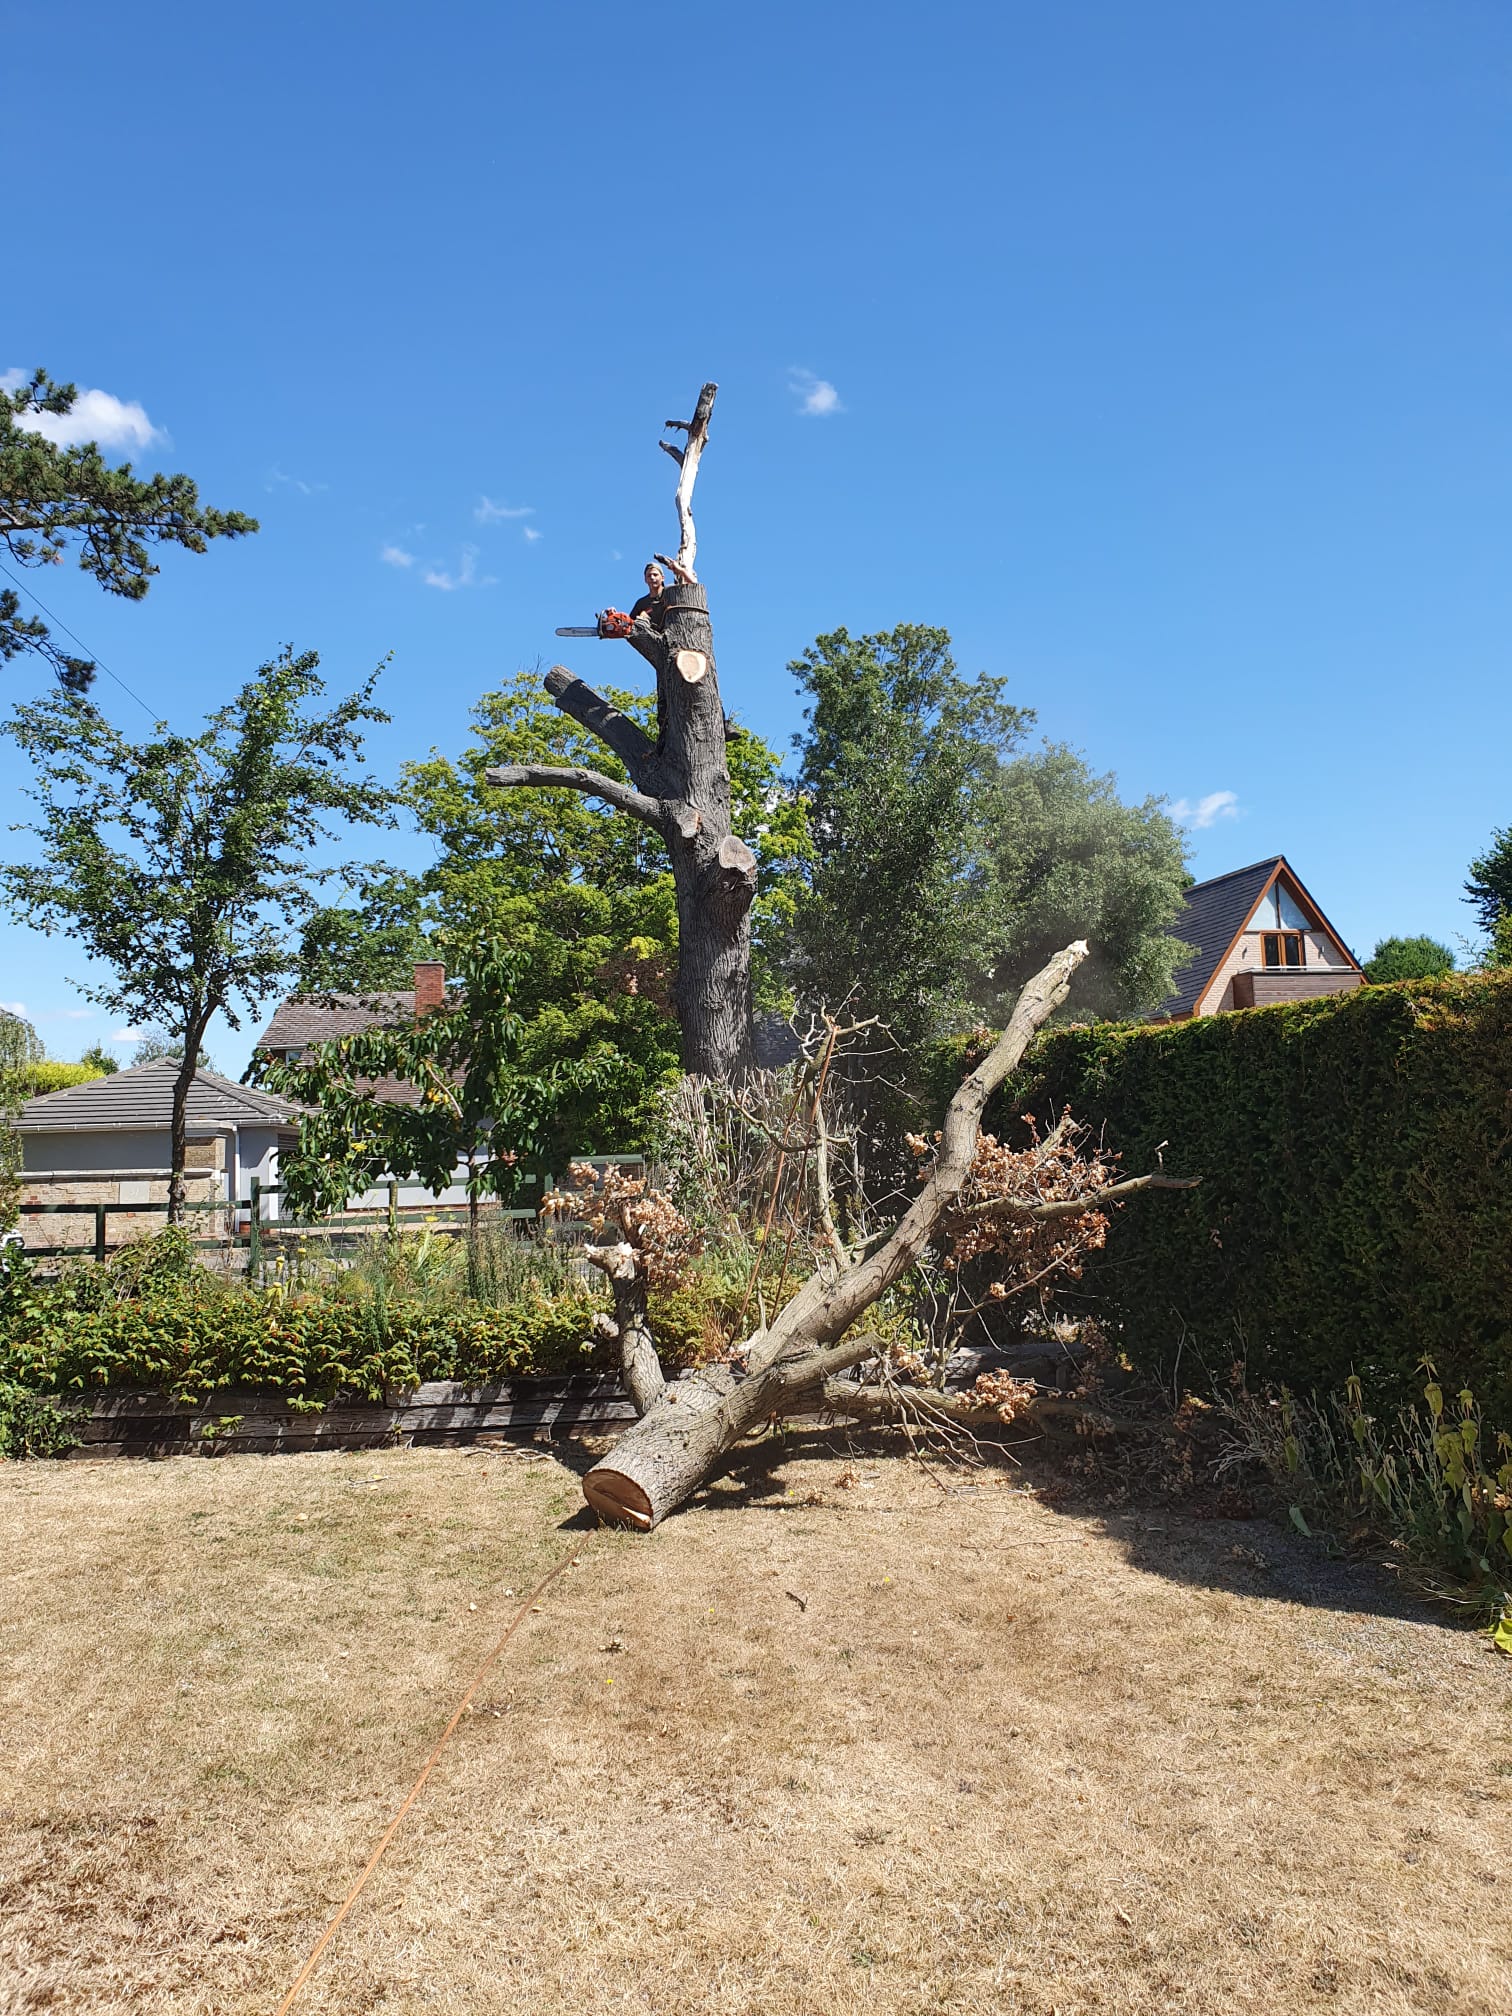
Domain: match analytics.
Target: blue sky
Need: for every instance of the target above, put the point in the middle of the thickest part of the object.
(1166, 350)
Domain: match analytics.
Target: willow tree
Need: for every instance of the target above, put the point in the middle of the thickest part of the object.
(677, 784)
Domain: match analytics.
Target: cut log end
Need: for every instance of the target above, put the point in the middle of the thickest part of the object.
(691, 665)
(614, 1496)
(735, 856)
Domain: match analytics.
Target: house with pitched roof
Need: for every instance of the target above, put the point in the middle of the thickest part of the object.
(110, 1142)
(1260, 938)
(305, 1019)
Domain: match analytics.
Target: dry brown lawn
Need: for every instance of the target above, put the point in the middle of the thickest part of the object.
(806, 1749)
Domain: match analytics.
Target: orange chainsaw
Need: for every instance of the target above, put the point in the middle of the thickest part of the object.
(610, 623)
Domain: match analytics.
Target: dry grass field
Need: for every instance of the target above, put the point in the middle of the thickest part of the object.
(812, 1747)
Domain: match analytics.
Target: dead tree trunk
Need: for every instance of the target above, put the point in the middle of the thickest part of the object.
(689, 1425)
(680, 787)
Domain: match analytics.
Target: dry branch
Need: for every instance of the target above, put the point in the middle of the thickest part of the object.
(688, 459)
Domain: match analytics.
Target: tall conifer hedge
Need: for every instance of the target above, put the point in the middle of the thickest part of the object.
(1355, 1211)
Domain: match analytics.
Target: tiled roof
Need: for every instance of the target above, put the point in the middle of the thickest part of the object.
(143, 1097)
(320, 1018)
(1210, 918)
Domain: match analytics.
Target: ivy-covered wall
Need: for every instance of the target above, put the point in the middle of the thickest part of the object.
(1355, 1211)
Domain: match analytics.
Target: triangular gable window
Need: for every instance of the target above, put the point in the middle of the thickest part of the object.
(1277, 911)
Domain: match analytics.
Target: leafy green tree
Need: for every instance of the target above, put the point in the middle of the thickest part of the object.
(1489, 889)
(182, 863)
(368, 945)
(21, 1050)
(899, 767)
(154, 1047)
(476, 1101)
(949, 861)
(585, 895)
(52, 497)
(1407, 959)
(100, 1059)
(1070, 860)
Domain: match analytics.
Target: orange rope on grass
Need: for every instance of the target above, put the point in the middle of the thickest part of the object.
(566, 1562)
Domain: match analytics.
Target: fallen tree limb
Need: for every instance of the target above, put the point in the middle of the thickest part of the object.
(863, 1401)
(667, 1454)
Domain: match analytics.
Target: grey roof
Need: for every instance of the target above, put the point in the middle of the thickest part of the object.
(143, 1098)
(1211, 917)
(320, 1018)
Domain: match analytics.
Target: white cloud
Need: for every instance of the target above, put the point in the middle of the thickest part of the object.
(70, 1014)
(1207, 811)
(395, 556)
(530, 533)
(95, 416)
(466, 576)
(487, 511)
(295, 483)
(615, 553)
(15, 1008)
(128, 1035)
(815, 396)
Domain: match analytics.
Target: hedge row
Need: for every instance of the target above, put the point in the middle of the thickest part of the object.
(1355, 1210)
(192, 1337)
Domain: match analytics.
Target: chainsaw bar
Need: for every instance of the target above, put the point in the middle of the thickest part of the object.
(578, 630)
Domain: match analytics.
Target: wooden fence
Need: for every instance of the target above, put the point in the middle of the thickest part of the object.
(260, 1229)
(441, 1414)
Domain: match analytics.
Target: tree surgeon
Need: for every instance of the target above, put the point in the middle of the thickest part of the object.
(678, 785)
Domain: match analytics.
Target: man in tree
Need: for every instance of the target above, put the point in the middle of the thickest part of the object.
(53, 495)
(651, 605)
(182, 863)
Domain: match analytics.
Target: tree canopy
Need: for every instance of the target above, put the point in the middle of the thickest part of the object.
(474, 1100)
(585, 895)
(1418, 958)
(21, 1050)
(948, 859)
(54, 496)
(1489, 887)
(182, 864)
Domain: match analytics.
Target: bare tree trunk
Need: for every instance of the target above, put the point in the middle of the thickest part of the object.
(178, 1145)
(680, 786)
(665, 1455)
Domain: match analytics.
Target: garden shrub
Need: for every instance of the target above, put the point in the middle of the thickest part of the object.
(35, 1424)
(152, 1318)
(1355, 1208)
(49, 1075)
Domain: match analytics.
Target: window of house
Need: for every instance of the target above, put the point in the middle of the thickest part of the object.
(1283, 948)
(1279, 912)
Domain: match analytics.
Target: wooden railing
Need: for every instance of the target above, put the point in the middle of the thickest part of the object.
(259, 1228)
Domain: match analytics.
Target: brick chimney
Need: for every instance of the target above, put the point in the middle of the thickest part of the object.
(430, 985)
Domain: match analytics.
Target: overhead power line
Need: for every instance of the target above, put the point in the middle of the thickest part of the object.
(93, 656)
